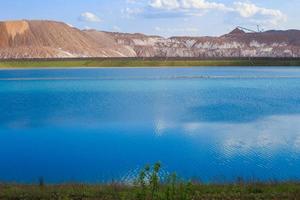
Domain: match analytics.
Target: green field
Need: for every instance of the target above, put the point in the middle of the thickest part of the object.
(148, 186)
(153, 62)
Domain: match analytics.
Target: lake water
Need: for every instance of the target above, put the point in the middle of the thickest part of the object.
(95, 125)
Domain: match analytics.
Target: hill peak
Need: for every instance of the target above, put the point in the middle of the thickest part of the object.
(237, 31)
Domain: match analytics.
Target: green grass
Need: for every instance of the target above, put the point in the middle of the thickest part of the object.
(183, 191)
(148, 186)
(154, 62)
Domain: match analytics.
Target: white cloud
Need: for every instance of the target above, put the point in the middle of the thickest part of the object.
(202, 4)
(131, 12)
(89, 17)
(186, 4)
(245, 10)
(165, 4)
(249, 10)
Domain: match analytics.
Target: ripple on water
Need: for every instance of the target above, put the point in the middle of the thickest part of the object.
(209, 123)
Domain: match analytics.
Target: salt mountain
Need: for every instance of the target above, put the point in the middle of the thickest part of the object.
(49, 39)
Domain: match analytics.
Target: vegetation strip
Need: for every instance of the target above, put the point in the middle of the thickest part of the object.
(148, 186)
(148, 62)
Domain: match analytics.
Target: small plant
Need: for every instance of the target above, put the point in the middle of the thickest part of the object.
(141, 183)
(148, 182)
(154, 180)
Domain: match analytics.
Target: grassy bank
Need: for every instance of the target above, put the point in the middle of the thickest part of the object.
(181, 192)
(148, 186)
(153, 62)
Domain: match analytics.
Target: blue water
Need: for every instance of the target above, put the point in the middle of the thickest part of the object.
(95, 125)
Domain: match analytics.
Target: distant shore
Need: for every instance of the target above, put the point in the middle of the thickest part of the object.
(146, 62)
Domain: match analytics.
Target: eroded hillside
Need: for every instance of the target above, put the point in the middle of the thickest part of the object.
(49, 39)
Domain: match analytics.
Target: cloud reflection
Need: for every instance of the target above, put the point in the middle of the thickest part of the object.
(265, 136)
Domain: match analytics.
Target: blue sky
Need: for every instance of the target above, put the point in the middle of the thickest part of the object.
(160, 17)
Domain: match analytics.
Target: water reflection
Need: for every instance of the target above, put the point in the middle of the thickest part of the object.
(96, 130)
(274, 133)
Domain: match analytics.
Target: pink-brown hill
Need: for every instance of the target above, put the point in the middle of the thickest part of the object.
(49, 39)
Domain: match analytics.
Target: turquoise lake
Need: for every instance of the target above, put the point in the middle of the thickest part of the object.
(213, 124)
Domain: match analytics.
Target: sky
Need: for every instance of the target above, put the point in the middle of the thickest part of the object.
(160, 17)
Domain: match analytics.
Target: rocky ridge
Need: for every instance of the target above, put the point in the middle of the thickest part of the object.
(49, 39)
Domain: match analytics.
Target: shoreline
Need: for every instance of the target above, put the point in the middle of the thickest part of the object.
(137, 67)
(87, 63)
(174, 191)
